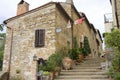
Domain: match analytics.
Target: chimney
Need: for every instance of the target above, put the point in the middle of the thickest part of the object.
(22, 7)
(69, 1)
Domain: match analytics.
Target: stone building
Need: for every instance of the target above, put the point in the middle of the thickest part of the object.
(99, 41)
(41, 32)
(116, 12)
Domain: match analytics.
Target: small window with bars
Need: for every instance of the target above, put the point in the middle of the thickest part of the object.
(40, 38)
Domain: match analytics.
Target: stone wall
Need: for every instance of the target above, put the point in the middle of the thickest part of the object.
(83, 29)
(47, 17)
(118, 10)
(100, 49)
(77, 29)
(23, 43)
(64, 37)
(94, 44)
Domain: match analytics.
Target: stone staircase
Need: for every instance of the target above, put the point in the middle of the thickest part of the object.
(86, 70)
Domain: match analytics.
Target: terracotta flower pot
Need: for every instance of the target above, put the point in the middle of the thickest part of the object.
(81, 57)
(111, 78)
(74, 62)
(52, 74)
(57, 71)
(67, 63)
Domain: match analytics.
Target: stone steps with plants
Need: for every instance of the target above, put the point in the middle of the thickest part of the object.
(87, 70)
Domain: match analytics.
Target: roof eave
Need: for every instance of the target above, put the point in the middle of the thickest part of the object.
(36, 9)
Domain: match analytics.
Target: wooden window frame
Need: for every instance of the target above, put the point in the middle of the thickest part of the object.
(40, 38)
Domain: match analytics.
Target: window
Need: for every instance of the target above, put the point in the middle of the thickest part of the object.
(40, 38)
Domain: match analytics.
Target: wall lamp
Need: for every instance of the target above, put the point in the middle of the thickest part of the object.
(34, 57)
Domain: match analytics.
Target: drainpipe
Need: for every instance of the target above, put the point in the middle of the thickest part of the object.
(72, 29)
(9, 66)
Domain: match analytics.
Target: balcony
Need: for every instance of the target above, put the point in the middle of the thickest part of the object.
(108, 18)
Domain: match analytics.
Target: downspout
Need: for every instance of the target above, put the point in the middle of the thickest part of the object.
(116, 14)
(9, 66)
(72, 29)
(72, 33)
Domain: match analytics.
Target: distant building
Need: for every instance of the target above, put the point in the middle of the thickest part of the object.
(108, 22)
(42, 32)
(116, 12)
(112, 21)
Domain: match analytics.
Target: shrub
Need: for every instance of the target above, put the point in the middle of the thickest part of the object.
(111, 71)
(87, 46)
(116, 63)
(74, 54)
(56, 58)
(117, 76)
(84, 52)
(49, 67)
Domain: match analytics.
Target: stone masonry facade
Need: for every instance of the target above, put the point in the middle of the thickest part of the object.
(53, 16)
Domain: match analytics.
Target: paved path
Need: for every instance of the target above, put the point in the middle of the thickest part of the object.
(86, 70)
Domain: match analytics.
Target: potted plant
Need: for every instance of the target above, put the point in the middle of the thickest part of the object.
(74, 55)
(81, 56)
(84, 52)
(46, 75)
(67, 61)
(56, 58)
(50, 67)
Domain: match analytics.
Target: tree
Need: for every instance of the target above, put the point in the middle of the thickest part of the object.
(1, 56)
(2, 49)
(87, 46)
(113, 39)
(1, 27)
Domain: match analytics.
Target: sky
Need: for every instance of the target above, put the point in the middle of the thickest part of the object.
(93, 9)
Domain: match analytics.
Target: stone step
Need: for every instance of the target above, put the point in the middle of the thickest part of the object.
(88, 67)
(86, 70)
(78, 68)
(88, 64)
(83, 73)
(82, 77)
(82, 70)
(85, 64)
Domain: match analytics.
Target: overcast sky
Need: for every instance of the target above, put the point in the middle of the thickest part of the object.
(94, 9)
